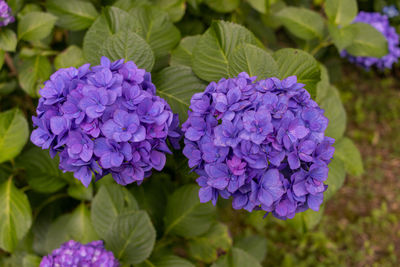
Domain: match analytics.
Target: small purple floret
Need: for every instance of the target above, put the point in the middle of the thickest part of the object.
(73, 253)
(6, 16)
(382, 24)
(105, 119)
(261, 143)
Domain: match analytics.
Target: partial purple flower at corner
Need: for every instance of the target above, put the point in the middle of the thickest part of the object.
(6, 16)
(390, 11)
(382, 24)
(261, 143)
(105, 119)
(73, 253)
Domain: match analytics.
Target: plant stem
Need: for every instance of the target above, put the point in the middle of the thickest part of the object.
(10, 64)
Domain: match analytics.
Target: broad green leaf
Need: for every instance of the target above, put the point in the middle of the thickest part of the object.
(175, 8)
(8, 87)
(211, 53)
(335, 112)
(2, 54)
(35, 26)
(177, 85)
(129, 46)
(15, 5)
(111, 21)
(8, 40)
(32, 73)
(41, 171)
(131, 237)
(75, 226)
(70, 57)
(182, 55)
(223, 6)
(15, 216)
(367, 41)
(13, 134)
(259, 5)
(312, 218)
(253, 60)
(336, 177)
(78, 191)
(171, 261)
(341, 12)
(129, 4)
(73, 14)
(303, 23)
(236, 258)
(21, 259)
(152, 196)
(156, 29)
(347, 151)
(206, 248)
(323, 86)
(342, 36)
(255, 245)
(185, 216)
(297, 62)
(111, 201)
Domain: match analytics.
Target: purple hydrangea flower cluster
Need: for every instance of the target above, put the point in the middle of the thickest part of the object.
(105, 119)
(74, 254)
(381, 23)
(5, 14)
(261, 143)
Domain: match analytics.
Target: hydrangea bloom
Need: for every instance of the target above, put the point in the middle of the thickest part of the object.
(105, 119)
(390, 11)
(381, 23)
(74, 254)
(261, 143)
(5, 14)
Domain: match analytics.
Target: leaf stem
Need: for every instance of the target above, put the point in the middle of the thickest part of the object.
(321, 45)
(10, 64)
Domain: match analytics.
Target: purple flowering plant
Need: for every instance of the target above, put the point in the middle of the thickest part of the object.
(261, 143)
(104, 119)
(260, 129)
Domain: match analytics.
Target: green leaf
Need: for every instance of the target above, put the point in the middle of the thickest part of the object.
(177, 85)
(78, 191)
(75, 226)
(323, 85)
(35, 26)
(297, 62)
(341, 12)
(15, 216)
(175, 8)
(236, 258)
(8, 40)
(253, 60)
(22, 259)
(312, 218)
(131, 237)
(2, 54)
(41, 171)
(223, 6)
(156, 29)
(182, 55)
(129, 4)
(206, 248)
(336, 177)
(367, 42)
(185, 216)
(211, 53)
(111, 201)
(13, 134)
(347, 151)
(259, 5)
(171, 261)
(335, 112)
(129, 46)
(111, 21)
(255, 245)
(8, 87)
(15, 5)
(342, 36)
(70, 57)
(302, 23)
(73, 14)
(32, 73)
